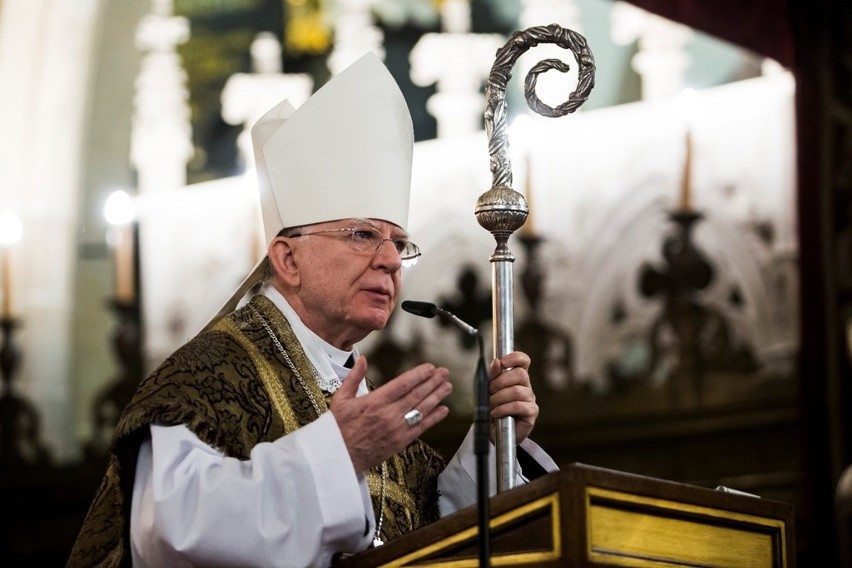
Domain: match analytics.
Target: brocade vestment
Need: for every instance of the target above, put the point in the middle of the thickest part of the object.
(233, 388)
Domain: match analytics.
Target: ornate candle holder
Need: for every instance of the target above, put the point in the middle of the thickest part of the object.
(686, 273)
(111, 400)
(20, 424)
(550, 347)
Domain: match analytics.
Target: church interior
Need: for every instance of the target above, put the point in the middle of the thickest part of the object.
(682, 282)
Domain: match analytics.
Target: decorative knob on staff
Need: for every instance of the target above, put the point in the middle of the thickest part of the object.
(501, 210)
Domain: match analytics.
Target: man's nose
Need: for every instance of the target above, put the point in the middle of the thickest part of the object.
(391, 241)
(388, 256)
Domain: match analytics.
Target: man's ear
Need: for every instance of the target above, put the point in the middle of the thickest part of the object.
(283, 260)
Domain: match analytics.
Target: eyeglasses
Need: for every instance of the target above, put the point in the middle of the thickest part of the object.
(370, 240)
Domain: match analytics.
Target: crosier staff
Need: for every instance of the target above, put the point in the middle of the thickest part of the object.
(501, 210)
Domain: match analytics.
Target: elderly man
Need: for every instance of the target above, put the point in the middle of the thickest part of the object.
(261, 442)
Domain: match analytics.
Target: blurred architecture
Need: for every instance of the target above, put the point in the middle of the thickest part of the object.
(682, 282)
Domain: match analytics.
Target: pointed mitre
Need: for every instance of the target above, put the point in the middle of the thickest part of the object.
(345, 153)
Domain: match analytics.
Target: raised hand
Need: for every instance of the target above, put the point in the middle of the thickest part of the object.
(373, 426)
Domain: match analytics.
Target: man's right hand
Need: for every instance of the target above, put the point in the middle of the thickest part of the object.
(373, 426)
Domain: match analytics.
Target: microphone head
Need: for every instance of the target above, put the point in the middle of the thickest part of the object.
(423, 309)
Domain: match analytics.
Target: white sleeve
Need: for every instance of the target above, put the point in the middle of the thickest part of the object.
(457, 483)
(296, 502)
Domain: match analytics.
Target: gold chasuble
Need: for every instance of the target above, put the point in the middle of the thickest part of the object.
(233, 388)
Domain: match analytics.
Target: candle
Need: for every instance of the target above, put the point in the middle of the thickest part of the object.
(10, 233)
(687, 109)
(521, 131)
(528, 228)
(119, 213)
(6, 312)
(124, 273)
(686, 182)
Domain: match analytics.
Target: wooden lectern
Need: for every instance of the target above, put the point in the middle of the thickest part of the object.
(590, 516)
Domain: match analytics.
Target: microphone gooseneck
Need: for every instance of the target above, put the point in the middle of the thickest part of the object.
(469, 329)
(430, 310)
(481, 444)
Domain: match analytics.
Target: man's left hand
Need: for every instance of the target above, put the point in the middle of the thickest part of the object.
(511, 393)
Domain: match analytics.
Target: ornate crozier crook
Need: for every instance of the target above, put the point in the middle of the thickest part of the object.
(501, 210)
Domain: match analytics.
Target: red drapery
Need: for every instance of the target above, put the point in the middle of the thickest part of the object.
(762, 26)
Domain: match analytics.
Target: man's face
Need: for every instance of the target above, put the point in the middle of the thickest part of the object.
(340, 293)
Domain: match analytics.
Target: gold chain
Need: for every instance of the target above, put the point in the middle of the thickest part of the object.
(377, 541)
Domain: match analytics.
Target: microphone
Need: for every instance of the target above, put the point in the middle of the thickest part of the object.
(422, 309)
(429, 310)
(481, 423)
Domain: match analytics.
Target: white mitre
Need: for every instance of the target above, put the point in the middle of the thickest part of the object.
(345, 153)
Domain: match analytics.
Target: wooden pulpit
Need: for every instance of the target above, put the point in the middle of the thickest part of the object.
(590, 516)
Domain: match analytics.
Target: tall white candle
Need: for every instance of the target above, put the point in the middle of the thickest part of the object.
(6, 311)
(528, 228)
(124, 273)
(10, 233)
(119, 213)
(687, 109)
(522, 138)
(686, 183)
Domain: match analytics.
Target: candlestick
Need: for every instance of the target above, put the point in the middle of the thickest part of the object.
(686, 182)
